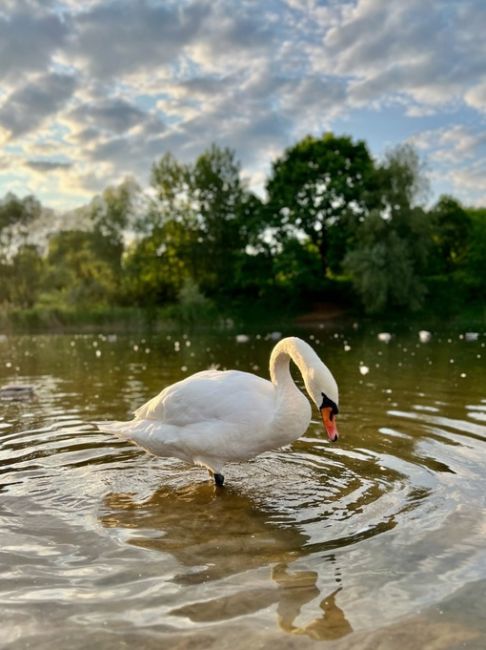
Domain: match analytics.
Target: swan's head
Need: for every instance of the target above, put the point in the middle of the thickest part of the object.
(323, 389)
(318, 379)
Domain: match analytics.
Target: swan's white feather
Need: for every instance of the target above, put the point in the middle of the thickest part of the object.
(209, 418)
(214, 417)
(229, 396)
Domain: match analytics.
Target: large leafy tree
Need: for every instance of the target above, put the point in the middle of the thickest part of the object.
(227, 215)
(322, 187)
(382, 267)
(21, 277)
(211, 202)
(157, 266)
(390, 255)
(77, 272)
(15, 217)
(452, 227)
(473, 264)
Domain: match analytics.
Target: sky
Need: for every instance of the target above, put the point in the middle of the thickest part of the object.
(94, 91)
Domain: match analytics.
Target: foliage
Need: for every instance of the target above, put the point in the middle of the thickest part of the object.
(218, 214)
(319, 184)
(156, 266)
(199, 242)
(79, 268)
(15, 216)
(452, 232)
(474, 261)
(382, 267)
(192, 306)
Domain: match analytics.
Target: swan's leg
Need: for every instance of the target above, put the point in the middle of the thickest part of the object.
(218, 478)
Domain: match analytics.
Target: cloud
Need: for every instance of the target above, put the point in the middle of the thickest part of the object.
(476, 96)
(28, 39)
(412, 49)
(141, 35)
(453, 143)
(108, 86)
(46, 166)
(470, 182)
(28, 106)
(112, 114)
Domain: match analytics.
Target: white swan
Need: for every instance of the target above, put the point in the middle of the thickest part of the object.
(215, 417)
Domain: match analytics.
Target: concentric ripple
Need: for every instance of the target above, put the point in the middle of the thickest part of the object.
(377, 535)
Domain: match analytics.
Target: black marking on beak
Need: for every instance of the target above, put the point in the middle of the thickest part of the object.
(326, 403)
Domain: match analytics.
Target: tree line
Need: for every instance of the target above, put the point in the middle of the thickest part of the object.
(335, 225)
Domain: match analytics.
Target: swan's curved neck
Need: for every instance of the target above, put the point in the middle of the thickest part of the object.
(292, 409)
(301, 354)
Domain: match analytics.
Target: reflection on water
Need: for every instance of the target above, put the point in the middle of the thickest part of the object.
(220, 533)
(296, 589)
(377, 541)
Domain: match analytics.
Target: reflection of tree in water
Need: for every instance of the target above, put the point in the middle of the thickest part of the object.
(220, 533)
(298, 588)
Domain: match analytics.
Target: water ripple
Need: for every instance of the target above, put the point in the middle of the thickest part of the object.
(317, 541)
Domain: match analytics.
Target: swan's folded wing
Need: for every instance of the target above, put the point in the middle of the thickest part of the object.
(227, 396)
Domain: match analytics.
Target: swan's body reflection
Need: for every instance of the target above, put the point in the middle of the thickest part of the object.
(218, 534)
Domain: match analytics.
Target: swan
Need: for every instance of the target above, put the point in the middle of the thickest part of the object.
(216, 417)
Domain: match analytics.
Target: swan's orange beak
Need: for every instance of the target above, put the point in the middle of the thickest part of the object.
(329, 421)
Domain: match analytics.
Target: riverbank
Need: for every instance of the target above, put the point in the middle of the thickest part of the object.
(251, 316)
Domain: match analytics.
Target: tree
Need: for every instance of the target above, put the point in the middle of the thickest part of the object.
(390, 256)
(171, 181)
(227, 216)
(401, 180)
(210, 201)
(15, 216)
(320, 184)
(112, 213)
(76, 273)
(452, 227)
(473, 264)
(382, 267)
(157, 266)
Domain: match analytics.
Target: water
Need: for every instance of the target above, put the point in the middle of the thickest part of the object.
(376, 541)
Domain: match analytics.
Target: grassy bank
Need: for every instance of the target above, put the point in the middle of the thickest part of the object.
(242, 315)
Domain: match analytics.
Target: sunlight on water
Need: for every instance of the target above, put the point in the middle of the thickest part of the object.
(376, 541)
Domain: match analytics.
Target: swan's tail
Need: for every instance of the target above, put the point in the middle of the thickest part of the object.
(119, 428)
(155, 437)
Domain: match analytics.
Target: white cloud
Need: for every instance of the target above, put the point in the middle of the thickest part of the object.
(30, 104)
(414, 49)
(29, 37)
(105, 87)
(476, 96)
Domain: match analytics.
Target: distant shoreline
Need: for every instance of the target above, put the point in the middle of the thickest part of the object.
(132, 319)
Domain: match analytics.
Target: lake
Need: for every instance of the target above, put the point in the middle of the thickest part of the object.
(376, 541)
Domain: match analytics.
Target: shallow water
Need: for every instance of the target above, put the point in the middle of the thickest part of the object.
(377, 541)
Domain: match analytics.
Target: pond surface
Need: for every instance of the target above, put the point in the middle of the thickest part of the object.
(377, 541)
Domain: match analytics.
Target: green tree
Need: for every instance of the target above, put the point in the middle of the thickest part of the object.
(319, 185)
(171, 181)
(15, 216)
(227, 216)
(157, 266)
(390, 256)
(112, 213)
(296, 267)
(473, 263)
(27, 276)
(210, 202)
(76, 273)
(382, 267)
(452, 227)
(21, 277)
